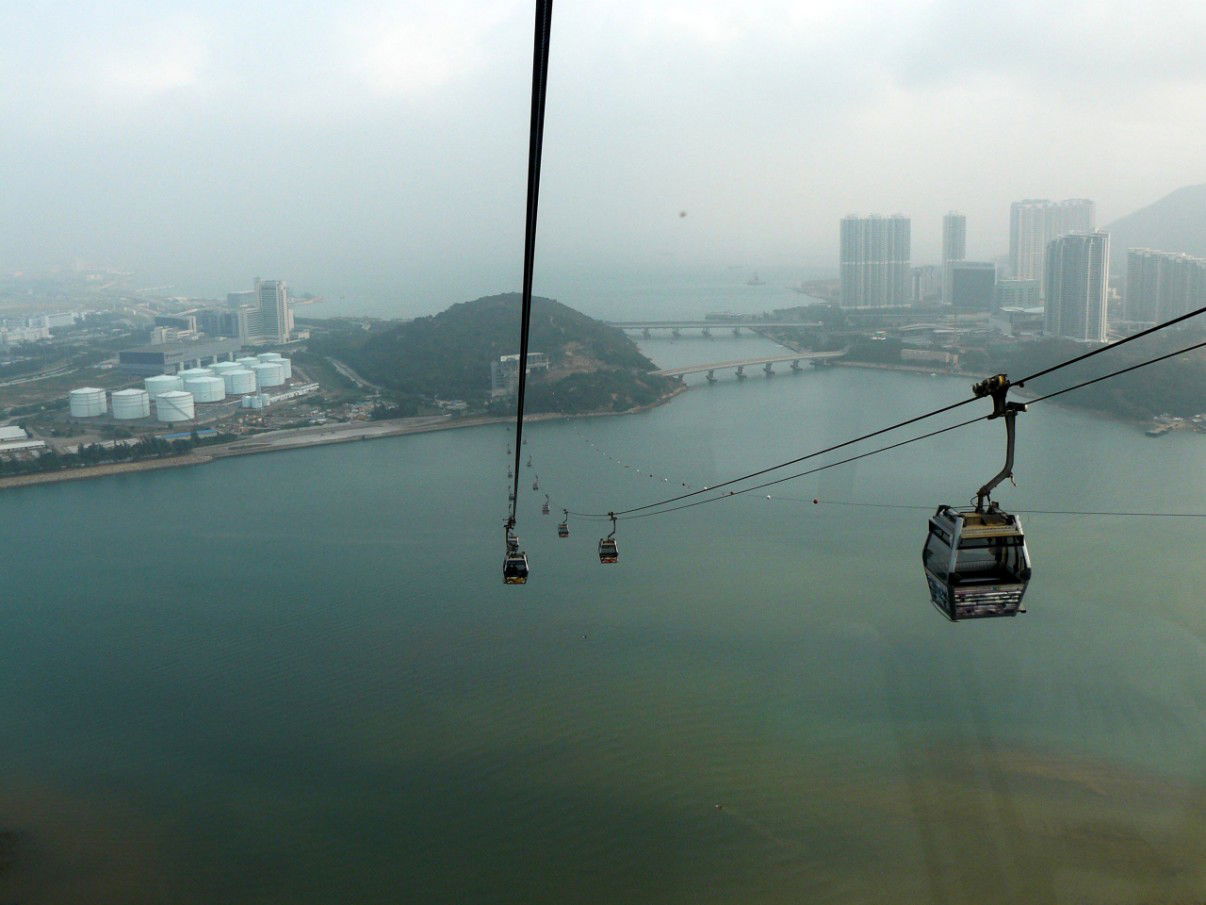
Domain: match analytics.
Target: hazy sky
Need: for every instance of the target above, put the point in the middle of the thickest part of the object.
(208, 143)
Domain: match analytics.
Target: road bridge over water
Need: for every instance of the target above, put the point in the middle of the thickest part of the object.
(706, 327)
(767, 361)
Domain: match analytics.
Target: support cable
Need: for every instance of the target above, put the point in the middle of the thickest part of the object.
(914, 420)
(873, 452)
(540, 67)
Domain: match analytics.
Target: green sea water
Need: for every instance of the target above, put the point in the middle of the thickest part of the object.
(299, 678)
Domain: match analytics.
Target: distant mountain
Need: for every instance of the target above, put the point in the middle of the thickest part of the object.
(1176, 222)
(592, 367)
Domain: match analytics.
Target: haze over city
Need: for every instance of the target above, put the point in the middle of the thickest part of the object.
(199, 145)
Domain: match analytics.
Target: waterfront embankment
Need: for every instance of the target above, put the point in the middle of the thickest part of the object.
(303, 438)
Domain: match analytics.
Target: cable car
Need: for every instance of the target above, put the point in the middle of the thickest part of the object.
(515, 568)
(536, 483)
(515, 563)
(529, 458)
(609, 551)
(544, 507)
(976, 562)
(563, 527)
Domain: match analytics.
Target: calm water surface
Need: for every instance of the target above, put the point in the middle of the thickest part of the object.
(298, 677)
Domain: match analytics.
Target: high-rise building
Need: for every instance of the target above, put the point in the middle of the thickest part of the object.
(1033, 223)
(954, 248)
(273, 297)
(972, 284)
(1077, 281)
(875, 271)
(1017, 294)
(1161, 285)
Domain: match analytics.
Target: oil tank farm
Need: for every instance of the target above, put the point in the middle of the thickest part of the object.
(206, 389)
(239, 381)
(131, 404)
(87, 402)
(221, 367)
(163, 383)
(174, 405)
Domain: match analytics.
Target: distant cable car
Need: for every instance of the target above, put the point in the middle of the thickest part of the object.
(609, 551)
(563, 527)
(976, 561)
(515, 563)
(544, 508)
(529, 458)
(536, 483)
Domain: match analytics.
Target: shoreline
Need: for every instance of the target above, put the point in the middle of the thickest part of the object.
(306, 438)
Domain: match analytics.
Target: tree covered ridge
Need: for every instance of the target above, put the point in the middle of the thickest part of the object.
(448, 356)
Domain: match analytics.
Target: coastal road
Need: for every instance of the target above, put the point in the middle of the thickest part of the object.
(352, 375)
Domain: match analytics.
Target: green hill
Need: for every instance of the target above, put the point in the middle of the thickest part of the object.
(592, 367)
(1177, 222)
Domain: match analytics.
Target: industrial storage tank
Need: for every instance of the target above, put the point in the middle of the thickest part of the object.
(255, 401)
(189, 373)
(248, 361)
(206, 389)
(269, 356)
(132, 403)
(163, 383)
(87, 402)
(286, 366)
(268, 374)
(221, 367)
(238, 381)
(174, 406)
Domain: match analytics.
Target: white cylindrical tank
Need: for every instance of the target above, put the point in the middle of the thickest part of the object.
(189, 373)
(238, 381)
(269, 356)
(255, 401)
(268, 374)
(221, 367)
(131, 403)
(163, 383)
(87, 402)
(247, 361)
(206, 389)
(286, 367)
(174, 406)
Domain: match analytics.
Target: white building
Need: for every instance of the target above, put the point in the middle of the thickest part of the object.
(954, 248)
(1161, 285)
(1077, 280)
(1034, 222)
(874, 261)
(504, 373)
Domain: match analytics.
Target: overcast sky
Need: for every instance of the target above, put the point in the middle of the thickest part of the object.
(213, 142)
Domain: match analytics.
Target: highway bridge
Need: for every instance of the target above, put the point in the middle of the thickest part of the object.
(768, 363)
(705, 327)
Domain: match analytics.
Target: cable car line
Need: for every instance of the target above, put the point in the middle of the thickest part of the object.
(821, 452)
(873, 452)
(515, 563)
(820, 502)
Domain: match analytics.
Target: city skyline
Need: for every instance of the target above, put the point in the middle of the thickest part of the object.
(155, 145)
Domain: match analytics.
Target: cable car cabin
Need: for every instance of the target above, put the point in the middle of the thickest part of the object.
(563, 530)
(976, 563)
(609, 551)
(515, 567)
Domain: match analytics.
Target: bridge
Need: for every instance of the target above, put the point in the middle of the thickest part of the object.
(767, 361)
(706, 327)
